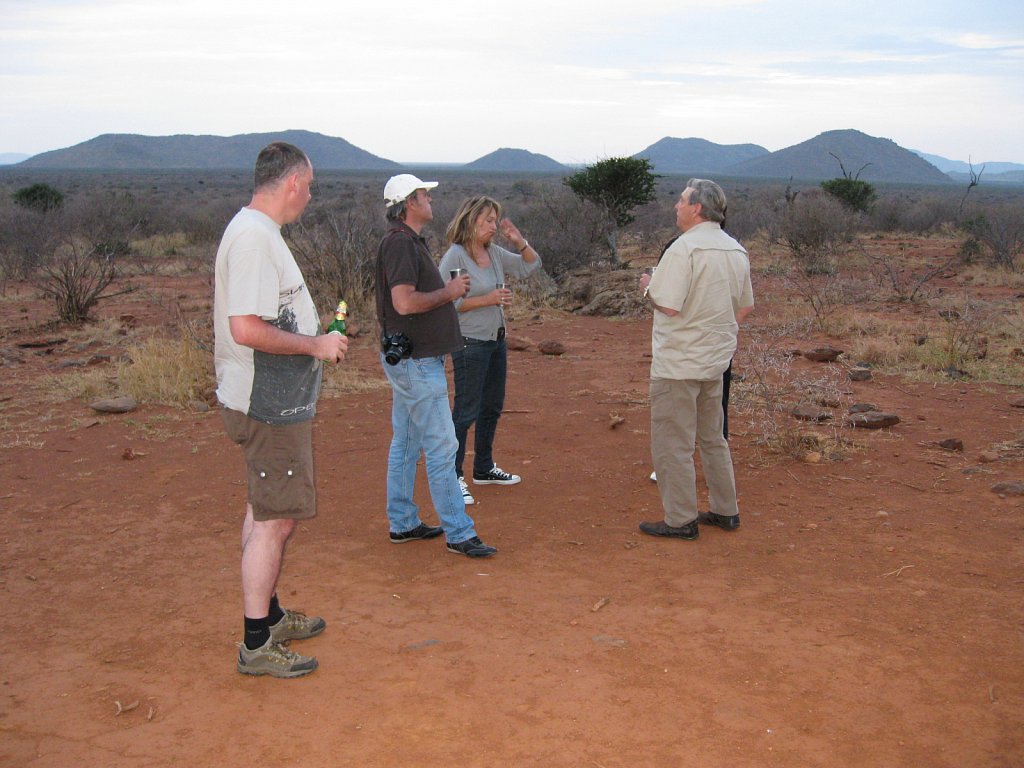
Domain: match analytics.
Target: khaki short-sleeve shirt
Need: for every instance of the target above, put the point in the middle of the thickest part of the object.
(705, 277)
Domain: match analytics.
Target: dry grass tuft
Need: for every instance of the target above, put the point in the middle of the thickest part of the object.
(175, 372)
(88, 385)
(345, 380)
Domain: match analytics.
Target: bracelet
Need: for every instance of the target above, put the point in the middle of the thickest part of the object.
(526, 244)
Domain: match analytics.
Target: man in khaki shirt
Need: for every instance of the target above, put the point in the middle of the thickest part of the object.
(700, 293)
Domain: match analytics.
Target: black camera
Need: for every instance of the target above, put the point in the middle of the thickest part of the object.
(395, 346)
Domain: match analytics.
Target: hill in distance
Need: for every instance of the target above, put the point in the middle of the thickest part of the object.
(865, 157)
(1007, 173)
(692, 155)
(515, 160)
(123, 151)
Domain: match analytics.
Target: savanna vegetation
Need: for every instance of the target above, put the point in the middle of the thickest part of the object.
(920, 281)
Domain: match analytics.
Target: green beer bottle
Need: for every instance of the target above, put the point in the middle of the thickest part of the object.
(338, 323)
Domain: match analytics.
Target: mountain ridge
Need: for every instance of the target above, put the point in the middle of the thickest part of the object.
(828, 155)
(693, 155)
(123, 151)
(516, 160)
(850, 152)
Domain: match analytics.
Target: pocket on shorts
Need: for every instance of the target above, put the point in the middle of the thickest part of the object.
(281, 474)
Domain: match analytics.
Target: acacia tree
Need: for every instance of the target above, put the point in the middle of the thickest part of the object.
(850, 190)
(617, 185)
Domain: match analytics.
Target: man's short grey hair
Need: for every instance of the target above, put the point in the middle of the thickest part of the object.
(396, 212)
(276, 162)
(711, 198)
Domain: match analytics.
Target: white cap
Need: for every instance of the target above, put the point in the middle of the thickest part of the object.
(400, 187)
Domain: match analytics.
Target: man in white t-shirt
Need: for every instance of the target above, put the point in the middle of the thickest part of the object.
(269, 355)
(700, 292)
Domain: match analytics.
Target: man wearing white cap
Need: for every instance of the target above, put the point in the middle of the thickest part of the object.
(419, 326)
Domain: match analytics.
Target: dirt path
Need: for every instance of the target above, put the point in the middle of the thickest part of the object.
(868, 613)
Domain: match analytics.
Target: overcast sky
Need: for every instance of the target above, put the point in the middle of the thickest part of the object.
(578, 80)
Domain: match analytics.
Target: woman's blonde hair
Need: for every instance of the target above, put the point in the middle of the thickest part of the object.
(460, 231)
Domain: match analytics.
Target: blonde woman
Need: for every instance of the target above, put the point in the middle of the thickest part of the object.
(480, 366)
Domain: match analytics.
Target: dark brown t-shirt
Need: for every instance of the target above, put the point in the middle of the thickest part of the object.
(404, 259)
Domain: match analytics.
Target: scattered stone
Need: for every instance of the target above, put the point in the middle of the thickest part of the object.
(873, 420)
(41, 343)
(614, 642)
(988, 457)
(123, 404)
(128, 454)
(11, 356)
(828, 402)
(1009, 488)
(863, 407)
(1017, 402)
(198, 406)
(517, 345)
(98, 359)
(811, 412)
(949, 315)
(615, 420)
(826, 354)
(952, 444)
(920, 340)
(419, 646)
(956, 373)
(72, 363)
(551, 347)
(860, 374)
(812, 458)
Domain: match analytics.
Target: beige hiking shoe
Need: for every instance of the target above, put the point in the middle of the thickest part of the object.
(296, 626)
(274, 659)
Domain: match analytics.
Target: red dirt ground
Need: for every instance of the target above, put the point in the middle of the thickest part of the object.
(868, 613)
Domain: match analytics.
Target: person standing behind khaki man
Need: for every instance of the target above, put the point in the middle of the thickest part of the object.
(700, 292)
(268, 356)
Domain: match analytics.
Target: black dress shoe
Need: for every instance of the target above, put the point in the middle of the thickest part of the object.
(725, 522)
(661, 528)
(419, 533)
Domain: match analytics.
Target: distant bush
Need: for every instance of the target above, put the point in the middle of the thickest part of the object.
(335, 245)
(853, 193)
(818, 230)
(756, 211)
(567, 231)
(27, 237)
(39, 197)
(75, 277)
(1000, 228)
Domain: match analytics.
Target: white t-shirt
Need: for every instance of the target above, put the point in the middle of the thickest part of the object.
(705, 277)
(256, 274)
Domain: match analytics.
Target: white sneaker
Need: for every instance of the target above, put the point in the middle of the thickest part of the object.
(466, 495)
(654, 476)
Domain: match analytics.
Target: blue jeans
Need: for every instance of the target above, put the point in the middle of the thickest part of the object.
(422, 421)
(480, 369)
